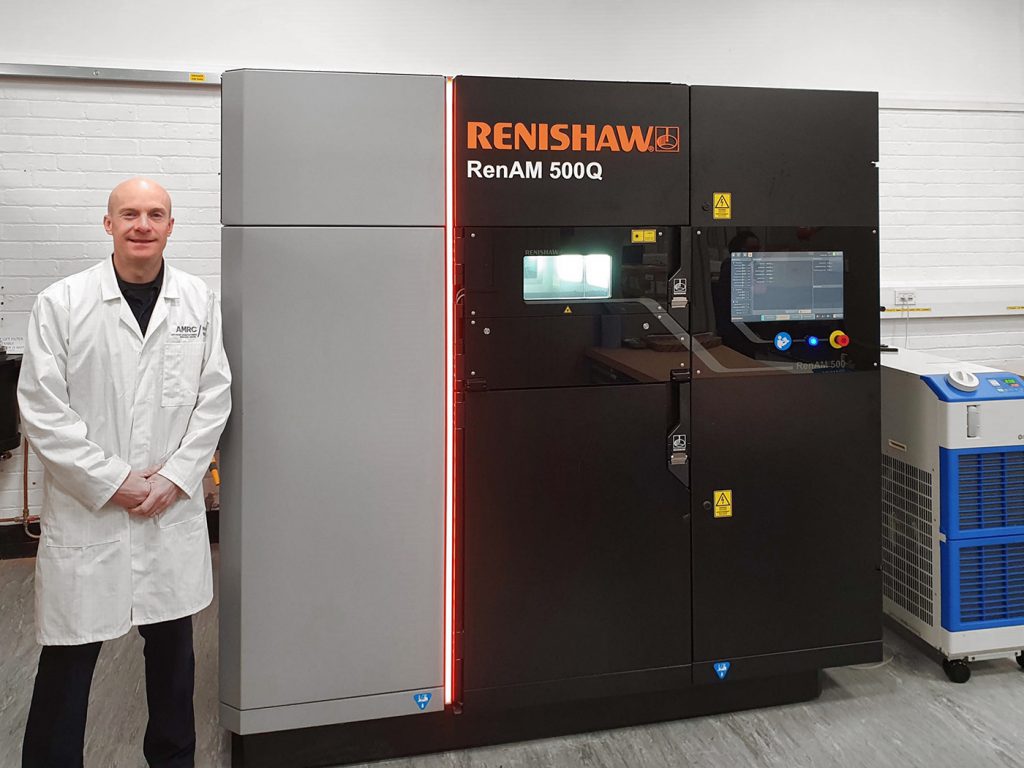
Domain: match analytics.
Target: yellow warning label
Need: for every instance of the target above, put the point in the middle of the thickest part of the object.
(644, 236)
(911, 309)
(1011, 309)
(197, 77)
(567, 311)
(723, 205)
(723, 503)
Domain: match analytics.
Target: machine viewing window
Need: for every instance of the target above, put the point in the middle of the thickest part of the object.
(565, 276)
(787, 285)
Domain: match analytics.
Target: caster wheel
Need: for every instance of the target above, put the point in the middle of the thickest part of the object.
(957, 670)
(1020, 659)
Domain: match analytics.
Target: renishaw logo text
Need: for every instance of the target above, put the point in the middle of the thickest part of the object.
(577, 137)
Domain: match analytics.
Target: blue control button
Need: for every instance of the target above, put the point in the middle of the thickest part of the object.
(783, 341)
(813, 341)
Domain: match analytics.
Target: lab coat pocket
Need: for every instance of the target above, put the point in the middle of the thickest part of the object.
(66, 522)
(182, 511)
(183, 362)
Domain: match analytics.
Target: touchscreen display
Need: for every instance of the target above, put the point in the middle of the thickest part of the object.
(787, 285)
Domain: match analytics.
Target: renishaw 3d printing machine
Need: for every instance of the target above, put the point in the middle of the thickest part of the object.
(556, 406)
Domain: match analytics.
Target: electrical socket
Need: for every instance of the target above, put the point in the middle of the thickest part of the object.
(905, 298)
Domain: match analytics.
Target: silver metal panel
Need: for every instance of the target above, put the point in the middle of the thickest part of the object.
(332, 149)
(232, 155)
(232, 463)
(332, 507)
(328, 712)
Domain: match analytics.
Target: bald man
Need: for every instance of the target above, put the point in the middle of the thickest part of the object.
(124, 392)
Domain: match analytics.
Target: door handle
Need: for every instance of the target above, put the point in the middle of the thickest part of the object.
(679, 282)
(679, 434)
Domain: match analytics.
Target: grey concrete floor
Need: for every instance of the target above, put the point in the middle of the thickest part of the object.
(902, 712)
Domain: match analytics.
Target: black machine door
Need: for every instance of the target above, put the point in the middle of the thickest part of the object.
(576, 545)
(784, 442)
(575, 506)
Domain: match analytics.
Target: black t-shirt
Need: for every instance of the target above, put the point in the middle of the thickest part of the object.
(141, 297)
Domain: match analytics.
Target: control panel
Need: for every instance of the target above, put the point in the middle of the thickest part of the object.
(784, 341)
(960, 385)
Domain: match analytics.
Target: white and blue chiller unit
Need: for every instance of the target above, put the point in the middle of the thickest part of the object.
(953, 506)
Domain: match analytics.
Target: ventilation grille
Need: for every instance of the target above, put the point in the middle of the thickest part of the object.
(992, 583)
(907, 540)
(991, 493)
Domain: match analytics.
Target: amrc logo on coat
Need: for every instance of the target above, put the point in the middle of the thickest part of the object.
(187, 330)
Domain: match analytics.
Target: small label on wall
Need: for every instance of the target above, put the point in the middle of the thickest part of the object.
(15, 345)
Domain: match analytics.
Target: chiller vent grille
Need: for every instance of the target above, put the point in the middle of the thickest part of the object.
(991, 490)
(907, 573)
(992, 582)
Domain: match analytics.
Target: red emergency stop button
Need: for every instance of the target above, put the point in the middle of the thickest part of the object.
(838, 340)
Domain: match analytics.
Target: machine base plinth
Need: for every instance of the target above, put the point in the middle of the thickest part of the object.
(404, 736)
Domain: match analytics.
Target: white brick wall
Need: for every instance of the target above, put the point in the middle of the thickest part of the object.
(952, 213)
(63, 146)
(952, 202)
(952, 195)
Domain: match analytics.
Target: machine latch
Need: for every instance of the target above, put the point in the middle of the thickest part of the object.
(679, 454)
(680, 375)
(476, 385)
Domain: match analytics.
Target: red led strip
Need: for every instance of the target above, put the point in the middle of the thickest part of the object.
(449, 393)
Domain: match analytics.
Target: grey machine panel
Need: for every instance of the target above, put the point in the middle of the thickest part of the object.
(332, 149)
(332, 511)
(333, 504)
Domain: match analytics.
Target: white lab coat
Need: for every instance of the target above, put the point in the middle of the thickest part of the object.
(98, 399)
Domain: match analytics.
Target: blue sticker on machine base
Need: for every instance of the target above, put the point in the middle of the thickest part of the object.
(783, 341)
(422, 699)
(722, 669)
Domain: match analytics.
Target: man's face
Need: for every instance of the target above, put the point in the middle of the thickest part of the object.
(139, 220)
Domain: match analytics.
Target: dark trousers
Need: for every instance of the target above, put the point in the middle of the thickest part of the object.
(55, 734)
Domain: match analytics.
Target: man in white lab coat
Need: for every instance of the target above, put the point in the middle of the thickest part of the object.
(124, 392)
